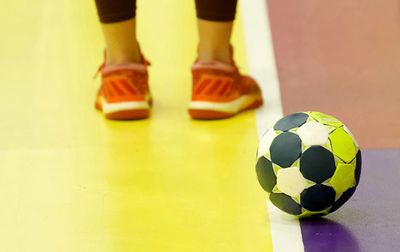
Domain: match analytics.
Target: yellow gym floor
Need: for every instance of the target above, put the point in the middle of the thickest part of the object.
(72, 181)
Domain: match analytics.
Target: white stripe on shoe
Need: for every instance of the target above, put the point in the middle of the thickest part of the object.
(226, 107)
(109, 108)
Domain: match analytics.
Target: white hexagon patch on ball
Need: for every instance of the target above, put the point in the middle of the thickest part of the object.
(313, 133)
(266, 142)
(290, 181)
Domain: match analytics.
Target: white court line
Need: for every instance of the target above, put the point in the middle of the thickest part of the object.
(285, 231)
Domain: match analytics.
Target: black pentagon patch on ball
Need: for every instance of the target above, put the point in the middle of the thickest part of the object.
(317, 164)
(285, 203)
(291, 121)
(345, 197)
(265, 174)
(285, 149)
(318, 197)
(357, 172)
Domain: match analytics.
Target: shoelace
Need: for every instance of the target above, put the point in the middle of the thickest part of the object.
(98, 70)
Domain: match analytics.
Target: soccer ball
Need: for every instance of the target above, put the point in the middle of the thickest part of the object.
(309, 164)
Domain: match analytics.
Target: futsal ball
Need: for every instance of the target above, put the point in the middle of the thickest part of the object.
(309, 164)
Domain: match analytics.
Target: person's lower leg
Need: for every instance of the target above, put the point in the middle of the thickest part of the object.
(121, 43)
(215, 22)
(214, 40)
(118, 24)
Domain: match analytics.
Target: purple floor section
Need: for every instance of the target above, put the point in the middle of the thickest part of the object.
(370, 221)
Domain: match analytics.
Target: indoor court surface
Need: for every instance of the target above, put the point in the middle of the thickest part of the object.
(73, 181)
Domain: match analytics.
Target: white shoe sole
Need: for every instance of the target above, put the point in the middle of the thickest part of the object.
(219, 110)
(109, 108)
(225, 107)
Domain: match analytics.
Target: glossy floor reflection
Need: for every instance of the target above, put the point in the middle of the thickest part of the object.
(321, 234)
(72, 181)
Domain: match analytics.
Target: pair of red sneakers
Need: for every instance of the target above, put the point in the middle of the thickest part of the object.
(218, 91)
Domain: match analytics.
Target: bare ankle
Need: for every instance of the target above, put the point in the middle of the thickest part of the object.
(221, 53)
(122, 57)
(121, 43)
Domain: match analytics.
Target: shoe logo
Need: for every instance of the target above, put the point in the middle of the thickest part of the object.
(211, 85)
(119, 86)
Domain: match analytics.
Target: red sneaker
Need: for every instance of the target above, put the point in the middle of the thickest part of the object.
(220, 91)
(124, 93)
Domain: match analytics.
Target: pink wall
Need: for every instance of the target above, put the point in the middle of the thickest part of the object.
(341, 57)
